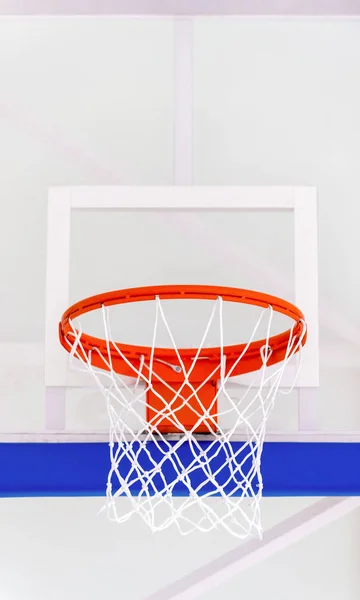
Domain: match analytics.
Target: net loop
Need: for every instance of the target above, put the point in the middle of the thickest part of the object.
(219, 481)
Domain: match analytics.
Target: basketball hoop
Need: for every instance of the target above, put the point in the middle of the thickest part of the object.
(166, 432)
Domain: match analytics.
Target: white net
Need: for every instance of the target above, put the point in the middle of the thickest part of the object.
(191, 480)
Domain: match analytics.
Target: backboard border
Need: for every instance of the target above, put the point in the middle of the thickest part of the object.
(62, 201)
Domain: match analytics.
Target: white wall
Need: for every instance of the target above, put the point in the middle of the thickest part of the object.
(276, 102)
(61, 548)
(82, 101)
(90, 101)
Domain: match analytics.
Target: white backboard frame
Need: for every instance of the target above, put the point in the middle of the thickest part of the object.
(302, 201)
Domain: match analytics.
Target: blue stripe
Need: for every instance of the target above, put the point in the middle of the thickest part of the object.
(80, 469)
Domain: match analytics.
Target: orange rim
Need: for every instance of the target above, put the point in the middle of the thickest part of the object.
(129, 363)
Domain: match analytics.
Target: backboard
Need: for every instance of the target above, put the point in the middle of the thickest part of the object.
(182, 235)
(103, 238)
(262, 238)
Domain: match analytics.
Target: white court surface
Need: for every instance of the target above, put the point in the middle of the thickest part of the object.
(275, 103)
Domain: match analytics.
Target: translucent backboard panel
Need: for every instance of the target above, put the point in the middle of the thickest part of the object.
(98, 122)
(258, 120)
(157, 247)
(123, 249)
